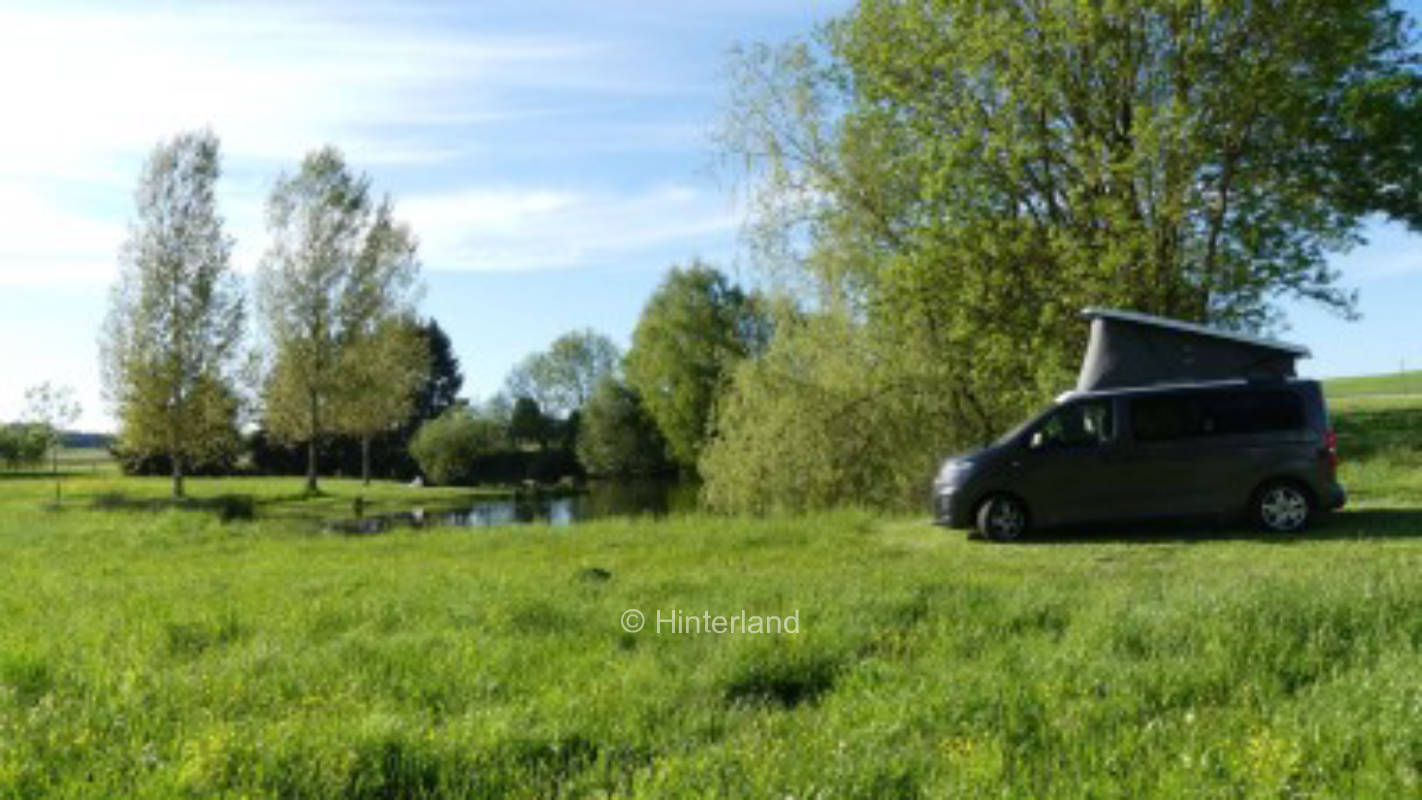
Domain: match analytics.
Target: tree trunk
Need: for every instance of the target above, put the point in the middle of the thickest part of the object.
(365, 459)
(311, 487)
(315, 409)
(177, 476)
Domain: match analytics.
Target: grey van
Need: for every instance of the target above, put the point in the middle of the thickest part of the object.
(1236, 448)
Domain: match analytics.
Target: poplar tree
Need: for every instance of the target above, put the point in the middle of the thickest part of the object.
(337, 267)
(175, 323)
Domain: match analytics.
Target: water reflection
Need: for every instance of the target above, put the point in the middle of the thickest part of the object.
(602, 499)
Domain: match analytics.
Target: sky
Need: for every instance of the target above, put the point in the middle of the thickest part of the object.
(554, 159)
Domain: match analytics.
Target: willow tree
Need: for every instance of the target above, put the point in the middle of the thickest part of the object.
(957, 178)
(694, 329)
(337, 267)
(174, 328)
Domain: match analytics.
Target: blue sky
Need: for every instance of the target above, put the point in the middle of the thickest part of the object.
(553, 157)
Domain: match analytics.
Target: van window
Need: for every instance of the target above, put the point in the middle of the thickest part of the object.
(1185, 416)
(1085, 424)
(1255, 412)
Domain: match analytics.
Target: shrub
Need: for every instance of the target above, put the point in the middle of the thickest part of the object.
(447, 447)
(22, 445)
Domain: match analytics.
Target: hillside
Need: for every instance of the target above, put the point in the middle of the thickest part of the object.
(1409, 382)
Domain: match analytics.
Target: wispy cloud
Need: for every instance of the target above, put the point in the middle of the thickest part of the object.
(89, 93)
(520, 229)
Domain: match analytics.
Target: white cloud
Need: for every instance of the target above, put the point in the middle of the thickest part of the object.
(272, 82)
(45, 243)
(520, 229)
(87, 94)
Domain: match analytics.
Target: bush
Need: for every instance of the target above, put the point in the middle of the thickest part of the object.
(133, 462)
(22, 445)
(833, 415)
(448, 447)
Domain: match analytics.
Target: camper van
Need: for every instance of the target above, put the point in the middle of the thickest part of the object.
(1168, 419)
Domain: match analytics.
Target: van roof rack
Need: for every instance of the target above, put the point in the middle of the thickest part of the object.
(1127, 348)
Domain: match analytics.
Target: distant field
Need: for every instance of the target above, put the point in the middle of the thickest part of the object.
(158, 654)
(1396, 383)
(79, 457)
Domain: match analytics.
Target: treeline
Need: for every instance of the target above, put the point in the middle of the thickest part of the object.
(581, 407)
(937, 189)
(342, 377)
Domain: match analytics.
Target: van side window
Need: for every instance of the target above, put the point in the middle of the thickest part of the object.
(1164, 418)
(1185, 416)
(1254, 412)
(1084, 424)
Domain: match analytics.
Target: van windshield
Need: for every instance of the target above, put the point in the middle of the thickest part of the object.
(1022, 427)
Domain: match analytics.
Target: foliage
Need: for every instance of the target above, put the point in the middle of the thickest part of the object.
(828, 417)
(23, 445)
(447, 446)
(389, 451)
(51, 409)
(693, 330)
(527, 423)
(562, 378)
(617, 436)
(176, 315)
(336, 269)
(384, 369)
(443, 378)
(956, 180)
(136, 463)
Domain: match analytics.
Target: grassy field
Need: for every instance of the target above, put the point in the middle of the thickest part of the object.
(1394, 383)
(149, 653)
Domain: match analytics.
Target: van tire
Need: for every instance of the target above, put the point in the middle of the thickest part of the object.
(1281, 507)
(1002, 518)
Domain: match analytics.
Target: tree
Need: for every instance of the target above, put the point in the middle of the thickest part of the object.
(616, 436)
(447, 447)
(692, 332)
(52, 409)
(953, 181)
(175, 320)
(334, 271)
(561, 379)
(443, 378)
(527, 423)
(22, 445)
(384, 369)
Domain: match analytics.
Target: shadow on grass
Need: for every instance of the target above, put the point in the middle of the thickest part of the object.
(1367, 523)
(34, 474)
(227, 507)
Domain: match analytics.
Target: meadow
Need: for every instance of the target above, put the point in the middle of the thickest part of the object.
(156, 652)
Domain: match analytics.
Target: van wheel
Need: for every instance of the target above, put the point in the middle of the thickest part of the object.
(1002, 518)
(1280, 507)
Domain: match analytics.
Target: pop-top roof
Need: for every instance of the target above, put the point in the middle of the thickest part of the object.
(1131, 349)
(1190, 327)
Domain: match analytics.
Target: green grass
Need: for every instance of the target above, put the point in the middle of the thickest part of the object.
(169, 654)
(1395, 383)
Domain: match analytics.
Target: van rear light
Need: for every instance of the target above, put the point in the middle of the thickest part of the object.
(1330, 446)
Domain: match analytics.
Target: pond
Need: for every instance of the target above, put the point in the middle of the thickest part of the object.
(601, 499)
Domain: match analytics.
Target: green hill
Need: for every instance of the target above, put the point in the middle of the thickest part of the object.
(1409, 382)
